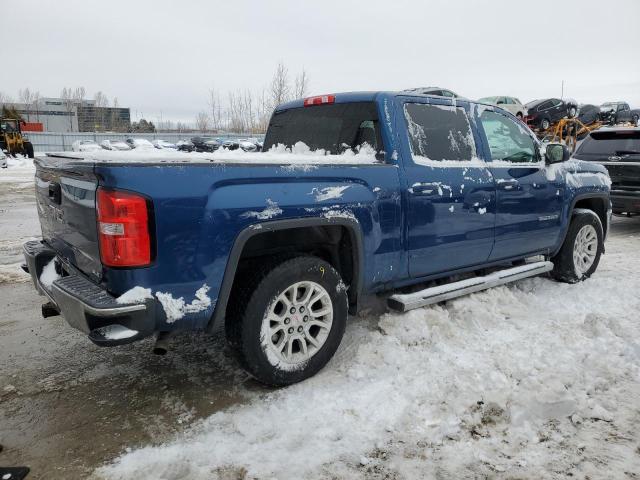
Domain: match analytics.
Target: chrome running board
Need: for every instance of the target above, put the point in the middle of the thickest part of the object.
(429, 296)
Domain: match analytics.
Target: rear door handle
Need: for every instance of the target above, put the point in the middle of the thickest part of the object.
(508, 184)
(424, 188)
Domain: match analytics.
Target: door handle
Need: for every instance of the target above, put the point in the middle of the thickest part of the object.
(508, 184)
(425, 188)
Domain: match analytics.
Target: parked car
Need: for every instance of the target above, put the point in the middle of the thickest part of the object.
(205, 144)
(510, 104)
(185, 146)
(437, 91)
(3, 160)
(543, 113)
(276, 256)
(117, 145)
(247, 145)
(160, 144)
(85, 146)
(618, 149)
(588, 114)
(139, 143)
(619, 112)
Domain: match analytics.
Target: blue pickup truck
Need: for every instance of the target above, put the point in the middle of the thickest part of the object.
(354, 194)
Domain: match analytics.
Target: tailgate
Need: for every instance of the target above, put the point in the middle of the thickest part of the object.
(66, 200)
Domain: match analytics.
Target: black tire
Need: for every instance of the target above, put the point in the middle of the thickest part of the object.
(545, 123)
(28, 149)
(262, 284)
(565, 269)
(572, 111)
(634, 120)
(519, 115)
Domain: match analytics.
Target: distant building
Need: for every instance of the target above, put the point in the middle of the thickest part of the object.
(102, 119)
(58, 116)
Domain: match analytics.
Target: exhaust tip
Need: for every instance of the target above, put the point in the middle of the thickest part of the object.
(161, 347)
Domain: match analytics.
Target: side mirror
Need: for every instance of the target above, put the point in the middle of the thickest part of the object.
(556, 153)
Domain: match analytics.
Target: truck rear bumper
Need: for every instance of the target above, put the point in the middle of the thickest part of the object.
(86, 305)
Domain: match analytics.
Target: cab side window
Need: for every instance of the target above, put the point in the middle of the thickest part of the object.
(508, 141)
(439, 132)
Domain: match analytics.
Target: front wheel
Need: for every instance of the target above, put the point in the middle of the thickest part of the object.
(290, 322)
(580, 253)
(545, 124)
(635, 120)
(572, 112)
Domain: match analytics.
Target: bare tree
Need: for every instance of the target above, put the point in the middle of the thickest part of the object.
(37, 104)
(101, 102)
(216, 109)
(115, 115)
(202, 122)
(301, 85)
(280, 88)
(5, 99)
(67, 100)
(26, 97)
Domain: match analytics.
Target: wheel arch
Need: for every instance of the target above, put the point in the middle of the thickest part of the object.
(299, 225)
(598, 203)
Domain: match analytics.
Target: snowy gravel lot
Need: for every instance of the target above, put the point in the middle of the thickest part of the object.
(531, 381)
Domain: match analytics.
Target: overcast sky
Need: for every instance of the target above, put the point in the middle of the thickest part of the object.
(163, 56)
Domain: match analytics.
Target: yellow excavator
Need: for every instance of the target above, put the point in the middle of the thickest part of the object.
(11, 139)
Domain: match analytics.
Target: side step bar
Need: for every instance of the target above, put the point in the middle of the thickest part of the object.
(429, 296)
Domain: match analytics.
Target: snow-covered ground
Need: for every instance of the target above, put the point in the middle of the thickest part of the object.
(18, 217)
(534, 380)
(531, 381)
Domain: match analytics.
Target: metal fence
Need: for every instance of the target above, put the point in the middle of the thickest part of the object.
(59, 142)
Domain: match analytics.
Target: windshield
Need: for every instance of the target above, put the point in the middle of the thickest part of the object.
(333, 128)
(488, 100)
(611, 144)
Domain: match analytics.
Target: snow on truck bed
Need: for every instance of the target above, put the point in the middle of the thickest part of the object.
(299, 154)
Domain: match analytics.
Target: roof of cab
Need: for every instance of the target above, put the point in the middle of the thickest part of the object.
(347, 97)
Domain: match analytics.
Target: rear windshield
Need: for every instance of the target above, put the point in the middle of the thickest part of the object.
(334, 128)
(611, 143)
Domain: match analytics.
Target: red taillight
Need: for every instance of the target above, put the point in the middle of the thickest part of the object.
(319, 100)
(123, 229)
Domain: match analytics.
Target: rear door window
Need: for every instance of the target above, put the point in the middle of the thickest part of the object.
(439, 132)
(333, 128)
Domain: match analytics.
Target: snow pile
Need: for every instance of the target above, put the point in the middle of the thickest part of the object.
(49, 274)
(135, 295)
(176, 308)
(272, 209)
(521, 379)
(328, 193)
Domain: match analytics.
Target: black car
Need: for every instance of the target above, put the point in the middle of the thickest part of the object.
(543, 113)
(618, 149)
(588, 114)
(205, 144)
(619, 112)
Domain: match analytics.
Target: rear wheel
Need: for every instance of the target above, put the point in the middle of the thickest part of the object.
(519, 115)
(635, 120)
(572, 111)
(545, 124)
(289, 319)
(580, 253)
